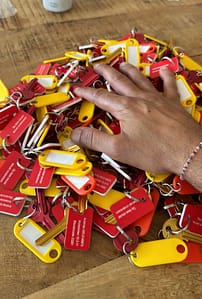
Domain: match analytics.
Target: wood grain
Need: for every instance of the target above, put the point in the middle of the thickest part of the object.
(28, 38)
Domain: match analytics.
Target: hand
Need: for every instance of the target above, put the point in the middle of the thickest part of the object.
(157, 133)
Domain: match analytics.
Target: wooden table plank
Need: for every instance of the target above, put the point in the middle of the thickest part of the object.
(119, 279)
(33, 35)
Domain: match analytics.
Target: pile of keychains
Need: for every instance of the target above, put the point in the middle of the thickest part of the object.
(63, 191)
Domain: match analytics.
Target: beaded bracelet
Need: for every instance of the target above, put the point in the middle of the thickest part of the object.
(189, 160)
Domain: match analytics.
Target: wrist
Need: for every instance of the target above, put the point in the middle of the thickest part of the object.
(191, 170)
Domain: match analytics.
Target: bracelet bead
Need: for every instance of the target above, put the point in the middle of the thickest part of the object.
(189, 160)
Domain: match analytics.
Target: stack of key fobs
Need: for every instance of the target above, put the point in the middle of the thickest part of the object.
(62, 191)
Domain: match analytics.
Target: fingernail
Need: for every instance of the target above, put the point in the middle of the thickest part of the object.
(164, 68)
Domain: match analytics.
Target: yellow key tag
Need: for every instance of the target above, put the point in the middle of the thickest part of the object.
(40, 113)
(156, 177)
(111, 46)
(86, 111)
(27, 232)
(65, 88)
(47, 81)
(51, 191)
(145, 68)
(84, 170)
(59, 158)
(159, 252)
(50, 99)
(4, 93)
(189, 63)
(76, 55)
(107, 200)
(65, 140)
(132, 53)
(61, 60)
(187, 97)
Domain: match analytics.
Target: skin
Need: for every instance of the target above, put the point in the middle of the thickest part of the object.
(157, 133)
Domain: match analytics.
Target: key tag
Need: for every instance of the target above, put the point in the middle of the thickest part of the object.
(59, 158)
(12, 170)
(192, 216)
(49, 82)
(126, 240)
(194, 253)
(104, 181)
(143, 224)
(16, 127)
(132, 53)
(105, 201)
(171, 63)
(187, 97)
(107, 228)
(158, 252)
(11, 202)
(82, 185)
(40, 177)
(183, 186)
(27, 232)
(132, 207)
(78, 230)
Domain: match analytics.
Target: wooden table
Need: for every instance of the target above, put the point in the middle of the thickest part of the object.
(28, 38)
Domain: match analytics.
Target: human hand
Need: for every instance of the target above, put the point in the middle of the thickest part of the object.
(157, 133)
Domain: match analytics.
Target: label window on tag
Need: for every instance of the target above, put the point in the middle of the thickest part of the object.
(60, 158)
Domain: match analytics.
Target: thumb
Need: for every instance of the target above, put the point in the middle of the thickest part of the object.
(92, 138)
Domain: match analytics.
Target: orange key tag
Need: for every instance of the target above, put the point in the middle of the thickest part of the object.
(80, 184)
(194, 253)
(143, 224)
(184, 186)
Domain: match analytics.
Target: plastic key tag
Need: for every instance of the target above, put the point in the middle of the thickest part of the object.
(132, 53)
(78, 230)
(11, 202)
(104, 181)
(11, 172)
(59, 158)
(50, 99)
(192, 216)
(143, 224)
(84, 170)
(159, 252)
(128, 210)
(183, 186)
(187, 97)
(27, 232)
(40, 177)
(107, 200)
(4, 93)
(82, 185)
(16, 127)
(47, 81)
(194, 253)
(6, 114)
(86, 111)
(171, 63)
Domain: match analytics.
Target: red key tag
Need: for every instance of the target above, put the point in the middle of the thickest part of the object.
(104, 181)
(42, 69)
(192, 216)
(11, 171)
(16, 127)
(107, 228)
(78, 230)
(40, 177)
(11, 202)
(126, 240)
(127, 210)
(171, 63)
(6, 114)
(194, 253)
(183, 187)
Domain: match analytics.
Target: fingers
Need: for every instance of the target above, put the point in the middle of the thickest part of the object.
(107, 101)
(169, 83)
(93, 139)
(118, 81)
(136, 77)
